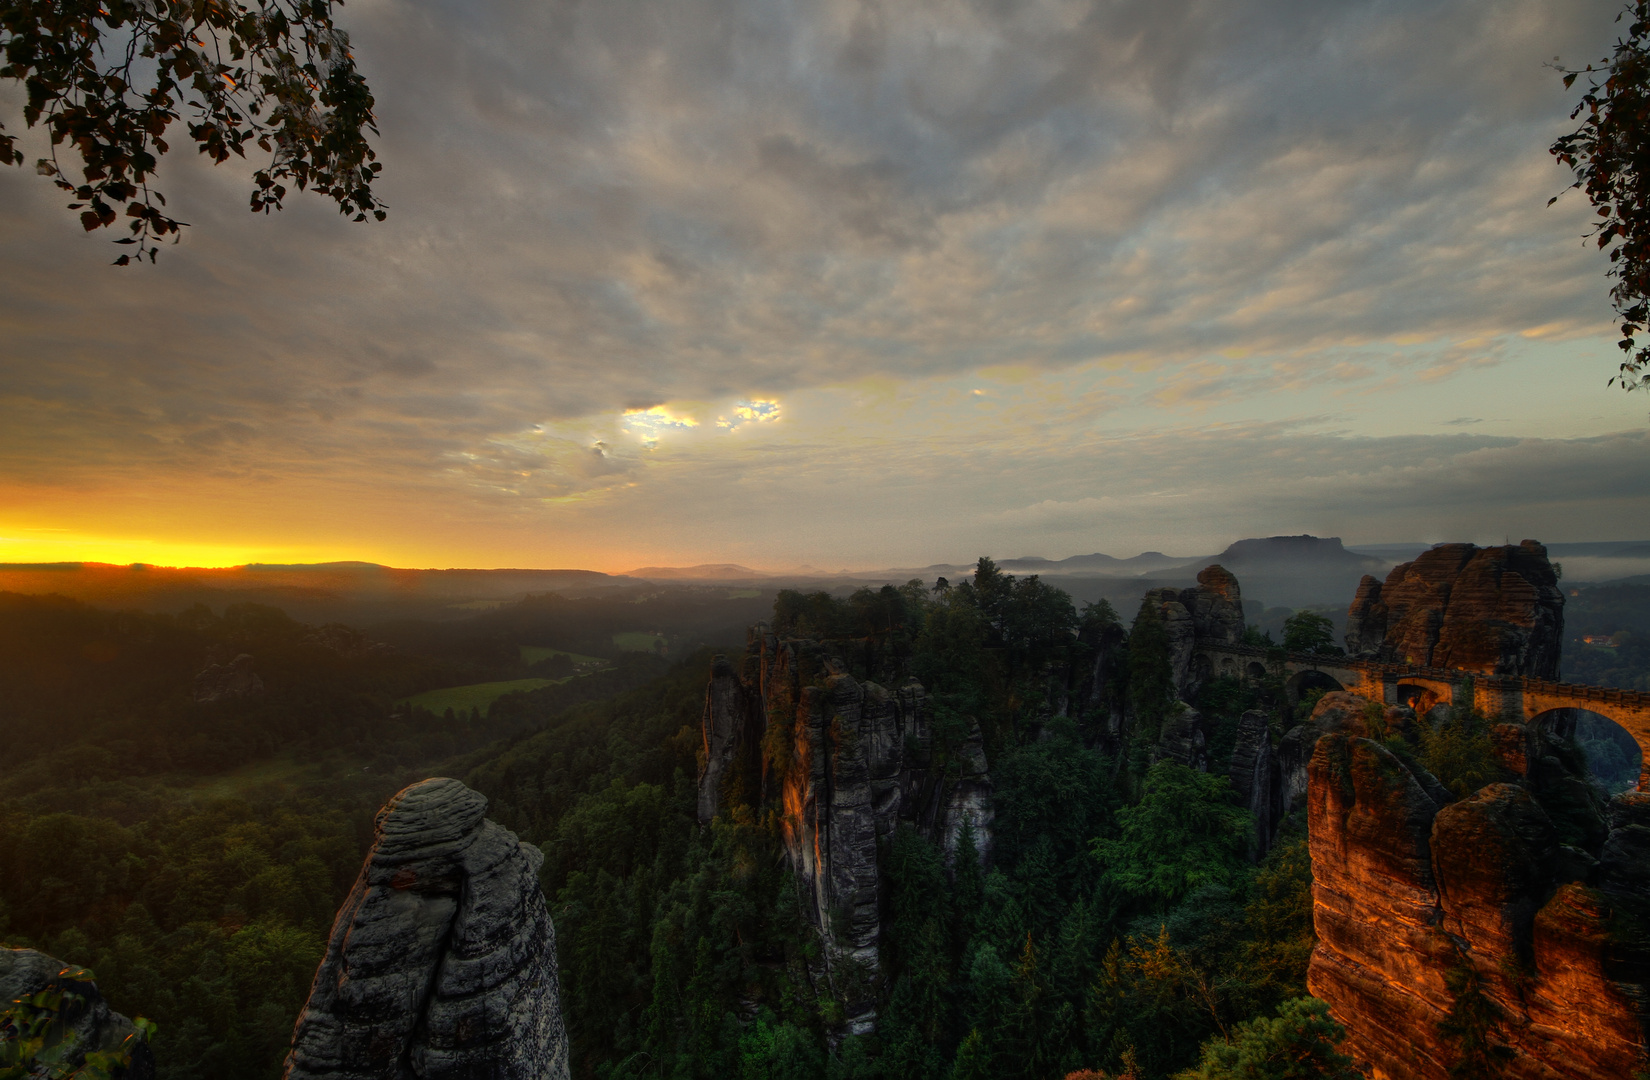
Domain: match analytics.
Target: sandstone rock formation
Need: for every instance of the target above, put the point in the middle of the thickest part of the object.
(1185, 739)
(25, 972)
(442, 962)
(1420, 902)
(1251, 773)
(1099, 696)
(1211, 612)
(226, 682)
(845, 761)
(1496, 611)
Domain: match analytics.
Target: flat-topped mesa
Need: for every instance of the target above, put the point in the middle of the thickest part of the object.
(846, 762)
(1494, 610)
(442, 962)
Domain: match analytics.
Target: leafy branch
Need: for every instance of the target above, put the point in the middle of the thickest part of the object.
(108, 78)
(1610, 156)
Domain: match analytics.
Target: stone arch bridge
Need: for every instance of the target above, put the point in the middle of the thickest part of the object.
(1511, 698)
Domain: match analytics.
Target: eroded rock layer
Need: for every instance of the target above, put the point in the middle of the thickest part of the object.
(1435, 914)
(442, 962)
(1495, 610)
(846, 761)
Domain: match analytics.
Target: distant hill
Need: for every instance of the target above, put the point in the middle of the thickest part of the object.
(316, 592)
(1284, 553)
(702, 572)
(1287, 571)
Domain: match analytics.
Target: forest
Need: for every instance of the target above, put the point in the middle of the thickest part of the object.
(1120, 928)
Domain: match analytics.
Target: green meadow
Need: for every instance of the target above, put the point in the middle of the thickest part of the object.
(462, 699)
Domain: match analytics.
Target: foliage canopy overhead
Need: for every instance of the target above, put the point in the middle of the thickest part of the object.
(108, 78)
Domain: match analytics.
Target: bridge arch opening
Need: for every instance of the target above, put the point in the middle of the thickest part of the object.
(1303, 683)
(1256, 670)
(1613, 756)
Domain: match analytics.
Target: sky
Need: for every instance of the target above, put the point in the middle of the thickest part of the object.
(850, 285)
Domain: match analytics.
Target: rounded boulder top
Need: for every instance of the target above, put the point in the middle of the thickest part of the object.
(427, 815)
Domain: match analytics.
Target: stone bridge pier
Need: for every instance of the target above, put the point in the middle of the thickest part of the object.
(1521, 700)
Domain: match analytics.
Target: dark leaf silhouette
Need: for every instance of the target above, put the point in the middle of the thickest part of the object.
(106, 78)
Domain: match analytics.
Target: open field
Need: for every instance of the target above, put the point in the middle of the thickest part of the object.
(475, 696)
(532, 654)
(637, 640)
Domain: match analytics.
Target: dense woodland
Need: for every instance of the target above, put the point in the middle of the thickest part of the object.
(1120, 925)
(1617, 616)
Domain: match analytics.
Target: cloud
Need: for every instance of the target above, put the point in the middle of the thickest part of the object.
(598, 208)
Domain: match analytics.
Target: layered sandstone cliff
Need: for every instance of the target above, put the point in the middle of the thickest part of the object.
(1441, 922)
(1495, 610)
(442, 962)
(845, 762)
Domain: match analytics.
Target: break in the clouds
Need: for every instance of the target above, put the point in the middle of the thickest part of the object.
(1004, 274)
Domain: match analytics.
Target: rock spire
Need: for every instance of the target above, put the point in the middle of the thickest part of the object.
(442, 962)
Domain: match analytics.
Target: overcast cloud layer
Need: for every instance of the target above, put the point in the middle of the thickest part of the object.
(876, 283)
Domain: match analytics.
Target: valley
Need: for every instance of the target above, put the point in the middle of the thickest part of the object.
(948, 828)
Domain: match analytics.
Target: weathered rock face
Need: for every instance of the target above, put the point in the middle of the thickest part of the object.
(732, 728)
(1185, 738)
(1100, 694)
(1181, 630)
(1253, 779)
(442, 962)
(1210, 612)
(226, 682)
(1336, 711)
(25, 972)
(1496, 610)
(1217, 606)
(846, 762)
(1412, 892)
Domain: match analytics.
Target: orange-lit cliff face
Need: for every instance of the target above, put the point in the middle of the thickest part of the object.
(1488, 918)
(1495, 610)
(844, 761)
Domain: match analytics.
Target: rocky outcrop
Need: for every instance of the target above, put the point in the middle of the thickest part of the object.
(845, 762)
(227, 682)
(1217, 606)
(1180, 630)
(1252, 777)
(442, 962)
(1211, 612)
(1335, 712)
(1422, 904)
(1099, 697)
(1185, 739)
(1495, 611)
(83, 1017)
(732, 728)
